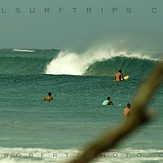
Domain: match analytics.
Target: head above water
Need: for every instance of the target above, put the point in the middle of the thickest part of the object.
(49, 93)
(128, 105)
(120, 71)
(108, 98)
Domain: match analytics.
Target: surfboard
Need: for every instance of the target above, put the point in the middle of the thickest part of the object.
(126, 77)
(105, 102)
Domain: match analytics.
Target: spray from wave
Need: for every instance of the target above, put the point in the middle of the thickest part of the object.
(78, 64)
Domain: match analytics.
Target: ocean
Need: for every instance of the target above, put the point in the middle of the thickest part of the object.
(32, 130)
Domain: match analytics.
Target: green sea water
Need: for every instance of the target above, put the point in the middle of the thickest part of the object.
(76, 116)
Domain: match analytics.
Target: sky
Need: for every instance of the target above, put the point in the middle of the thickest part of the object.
(78, 24)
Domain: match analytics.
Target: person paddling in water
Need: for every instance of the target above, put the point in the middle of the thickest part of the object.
(127, 111)
(108, 101)
(118, 76)
(48, 97)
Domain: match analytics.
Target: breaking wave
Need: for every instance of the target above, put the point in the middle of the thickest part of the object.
(99, 62)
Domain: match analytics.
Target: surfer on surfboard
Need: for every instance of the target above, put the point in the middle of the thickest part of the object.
(118, 76)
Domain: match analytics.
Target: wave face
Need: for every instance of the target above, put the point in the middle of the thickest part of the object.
(131, 66)
(100, 63)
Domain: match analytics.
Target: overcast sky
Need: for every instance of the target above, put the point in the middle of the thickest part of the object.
(77, 24)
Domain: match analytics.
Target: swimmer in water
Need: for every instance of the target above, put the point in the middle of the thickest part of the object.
(48, 97)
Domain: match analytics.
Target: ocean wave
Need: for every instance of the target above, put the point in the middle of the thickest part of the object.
(134, 67)
(97, 62)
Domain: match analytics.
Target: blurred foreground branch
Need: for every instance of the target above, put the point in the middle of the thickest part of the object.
(138, 117)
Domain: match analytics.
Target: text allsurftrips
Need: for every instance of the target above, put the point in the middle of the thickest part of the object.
(78, 10)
